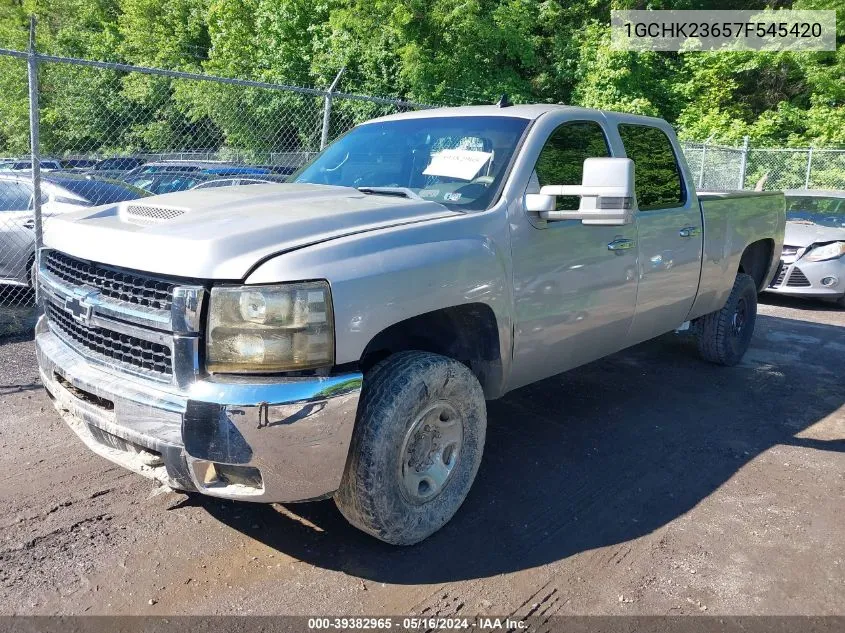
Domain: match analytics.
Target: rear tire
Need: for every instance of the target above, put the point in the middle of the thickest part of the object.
(724, 335)
(416, 447)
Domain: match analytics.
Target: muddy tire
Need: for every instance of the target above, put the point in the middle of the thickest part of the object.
(724, 335)
(416, 448)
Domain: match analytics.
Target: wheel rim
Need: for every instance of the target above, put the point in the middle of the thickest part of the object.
(740, 318)
(431, 451)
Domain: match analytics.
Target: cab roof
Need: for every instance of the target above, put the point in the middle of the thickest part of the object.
(525, 111)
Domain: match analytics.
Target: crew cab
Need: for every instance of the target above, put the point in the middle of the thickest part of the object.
(339, 334)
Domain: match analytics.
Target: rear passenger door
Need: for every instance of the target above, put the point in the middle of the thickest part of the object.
(670, 232)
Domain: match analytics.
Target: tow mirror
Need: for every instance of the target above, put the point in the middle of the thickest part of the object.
(606, 192)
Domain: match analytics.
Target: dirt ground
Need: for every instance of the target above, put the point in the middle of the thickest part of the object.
(645, 483)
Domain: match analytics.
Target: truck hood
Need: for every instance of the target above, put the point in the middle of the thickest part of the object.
(804, 233)
(223, 233)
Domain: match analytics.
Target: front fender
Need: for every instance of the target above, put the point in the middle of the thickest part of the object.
(380, 278)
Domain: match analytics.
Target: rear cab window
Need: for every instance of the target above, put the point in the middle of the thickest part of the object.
(658, 181)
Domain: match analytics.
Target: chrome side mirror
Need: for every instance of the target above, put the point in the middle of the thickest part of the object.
(606, 192)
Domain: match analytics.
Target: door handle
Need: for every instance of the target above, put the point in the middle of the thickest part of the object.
(621, 244)
(689, 231)
(29, 224)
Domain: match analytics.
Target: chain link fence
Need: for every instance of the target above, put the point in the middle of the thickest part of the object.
(721, 168)
(104, 132)
(714, 167)
(17, 238)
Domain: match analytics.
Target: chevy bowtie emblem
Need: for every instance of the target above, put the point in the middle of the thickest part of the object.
(80, 307)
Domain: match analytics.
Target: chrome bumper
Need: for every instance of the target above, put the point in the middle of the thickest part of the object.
(268, 440)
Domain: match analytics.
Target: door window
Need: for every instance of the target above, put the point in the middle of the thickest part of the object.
(561, 162)
(658, 182)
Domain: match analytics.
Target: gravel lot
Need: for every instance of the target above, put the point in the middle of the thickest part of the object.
(645, 483)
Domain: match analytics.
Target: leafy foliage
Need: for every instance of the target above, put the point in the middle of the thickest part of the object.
(433, 51)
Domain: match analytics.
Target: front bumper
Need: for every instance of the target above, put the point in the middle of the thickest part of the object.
(267, 440)
(799, 278)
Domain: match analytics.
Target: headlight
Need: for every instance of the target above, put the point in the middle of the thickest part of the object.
(262, 329)
(828, 251)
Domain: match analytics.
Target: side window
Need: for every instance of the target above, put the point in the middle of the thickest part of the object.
(14, 196)
(561, 162)
(658, 181)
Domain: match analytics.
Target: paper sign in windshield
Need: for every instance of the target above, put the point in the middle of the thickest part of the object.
(462, 164)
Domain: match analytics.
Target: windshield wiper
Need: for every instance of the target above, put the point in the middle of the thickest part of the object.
(400, 192)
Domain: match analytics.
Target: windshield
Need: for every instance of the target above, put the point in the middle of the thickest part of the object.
(816, 209)
(457, 161)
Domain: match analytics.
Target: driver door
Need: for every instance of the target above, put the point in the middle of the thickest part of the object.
(575, 285)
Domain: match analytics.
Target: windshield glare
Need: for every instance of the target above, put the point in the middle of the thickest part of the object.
(457, 161)
(818, 210)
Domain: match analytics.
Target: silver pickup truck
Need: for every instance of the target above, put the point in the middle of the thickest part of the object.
(338, 335)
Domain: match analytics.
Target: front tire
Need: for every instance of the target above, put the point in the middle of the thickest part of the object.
(724, 335)
(416, 448)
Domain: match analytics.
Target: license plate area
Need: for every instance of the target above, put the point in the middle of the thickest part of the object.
(86, 396)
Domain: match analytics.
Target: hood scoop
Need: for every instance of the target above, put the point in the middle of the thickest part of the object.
(146, 214)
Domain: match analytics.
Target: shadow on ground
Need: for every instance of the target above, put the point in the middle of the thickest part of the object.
(590, 458)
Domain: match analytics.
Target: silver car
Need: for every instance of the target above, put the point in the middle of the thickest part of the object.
(813, 259)
(60, 193)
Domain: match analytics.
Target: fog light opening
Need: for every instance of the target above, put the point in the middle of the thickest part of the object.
(214, 475)
(830, 282)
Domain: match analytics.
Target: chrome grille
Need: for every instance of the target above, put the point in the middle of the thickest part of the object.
(125, 286)
(798, 279)
(111, 347)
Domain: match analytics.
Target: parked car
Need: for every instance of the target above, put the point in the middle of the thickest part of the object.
(118, 164)
(45, 165)
(168, 177)
(60, 193)
(188, 166)
(338, 335)
(167, 182)
(282, 170)
(77, 163)
(235, 170)
(230, 182)
(813, 258)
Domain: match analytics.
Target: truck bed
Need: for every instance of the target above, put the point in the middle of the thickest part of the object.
(732, 220)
